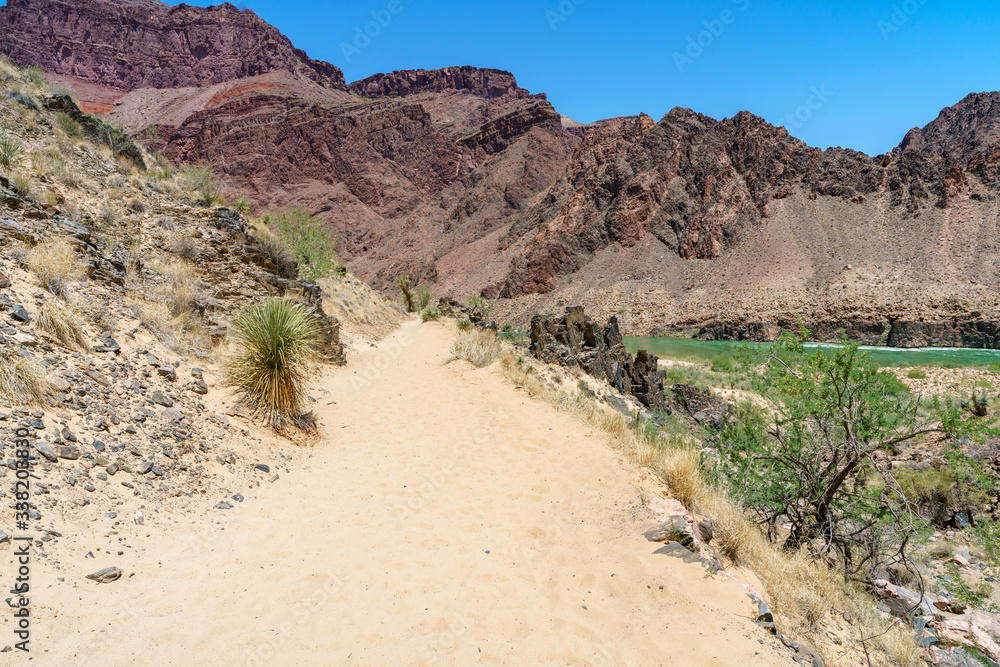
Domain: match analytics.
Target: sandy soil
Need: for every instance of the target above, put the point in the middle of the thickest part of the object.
(443, 518)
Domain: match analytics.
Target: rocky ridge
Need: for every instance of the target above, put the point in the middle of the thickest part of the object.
(470, 184)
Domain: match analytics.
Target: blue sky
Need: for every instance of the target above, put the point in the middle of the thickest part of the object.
(858, 74)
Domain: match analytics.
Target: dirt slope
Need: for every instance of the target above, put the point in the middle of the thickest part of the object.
(467, 524)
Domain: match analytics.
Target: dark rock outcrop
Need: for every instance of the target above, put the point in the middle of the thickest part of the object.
(98, 130)
(574, 340)
(486, 83)
(702, 406)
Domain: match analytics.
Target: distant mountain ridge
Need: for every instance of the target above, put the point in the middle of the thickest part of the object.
(471, 184)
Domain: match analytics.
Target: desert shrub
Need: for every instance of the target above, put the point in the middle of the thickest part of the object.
(23, 99)
(463, 324)
(185, 247)
(480, 347)
(423, 298)
(311, 243)
(166, 223)
(137, 206)
(274, 340)
(21, 184)
(11, 151)
(35, 75)
(481, 306)
(722, 364)
(56, 266)
(242, 205)
(22, 380)
(403, 283)
(113, 136)
(201, 180)
(430, 314)
(811, 459)
(68, 125)
(180, 291)
(272, 246)
(916, 374)
(63, 324)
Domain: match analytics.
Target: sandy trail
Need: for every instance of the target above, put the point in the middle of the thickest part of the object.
(445, 518)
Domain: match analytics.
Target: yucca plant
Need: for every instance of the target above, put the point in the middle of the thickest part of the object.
(242, 205)
(10, 150)
(274, 339)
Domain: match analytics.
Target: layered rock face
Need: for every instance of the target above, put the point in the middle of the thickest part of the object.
(698, 185)
(140, 43)
(574, 340)
(473, 185)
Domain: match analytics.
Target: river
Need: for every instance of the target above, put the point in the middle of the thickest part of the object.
(690, 349)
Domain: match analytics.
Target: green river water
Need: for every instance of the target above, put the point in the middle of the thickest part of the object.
(689, 349)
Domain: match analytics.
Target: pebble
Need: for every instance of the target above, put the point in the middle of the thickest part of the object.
(238, 497)
(224, 505)
(47, 451)
(159, 398)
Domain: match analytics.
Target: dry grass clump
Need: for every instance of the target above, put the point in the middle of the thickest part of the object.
(62, 323)
(166, 304)
(271, 245)
(22, 380)
(186, 248)
(480, 347)
(801, 591)
(56, 266)
(273, 341)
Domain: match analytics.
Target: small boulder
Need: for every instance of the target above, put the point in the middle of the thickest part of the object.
(106, 576)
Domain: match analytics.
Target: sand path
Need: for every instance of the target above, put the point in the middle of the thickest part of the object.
(446, 518)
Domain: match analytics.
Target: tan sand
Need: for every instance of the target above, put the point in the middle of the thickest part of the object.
(445, 518)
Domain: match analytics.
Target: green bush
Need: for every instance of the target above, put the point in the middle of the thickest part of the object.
(311, 242)
(430, 314)
(722, 364)
(242, 205)
(274, 338)
(423, 297)
(808, 458)
(916, 374)
(464, 325)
